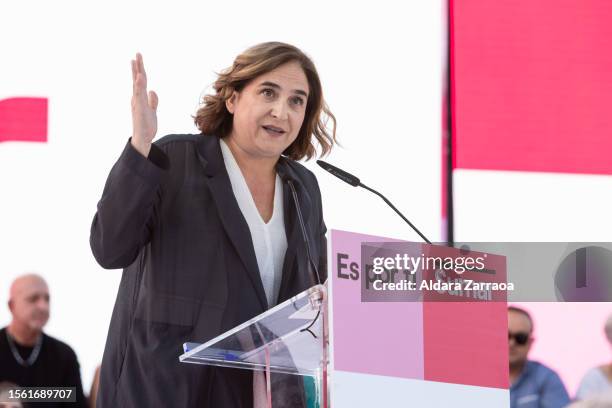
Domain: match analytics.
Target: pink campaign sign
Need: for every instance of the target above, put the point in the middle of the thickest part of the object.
(455, 337)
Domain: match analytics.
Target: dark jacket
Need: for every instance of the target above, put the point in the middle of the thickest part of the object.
(190, 272)
(55, 366)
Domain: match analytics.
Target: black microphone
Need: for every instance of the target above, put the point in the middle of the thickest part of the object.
(313, 266)
(341, 174)
(296, 202)
(288, 179)
(354, 181)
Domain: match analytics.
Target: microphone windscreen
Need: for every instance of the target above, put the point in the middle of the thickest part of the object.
(341, 174)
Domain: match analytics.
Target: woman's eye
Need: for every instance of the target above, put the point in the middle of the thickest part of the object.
(268, 93)
(298, 101)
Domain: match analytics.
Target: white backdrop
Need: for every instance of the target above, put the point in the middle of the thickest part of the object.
(381, 64)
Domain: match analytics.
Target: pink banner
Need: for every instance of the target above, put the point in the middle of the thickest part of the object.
(439, 339)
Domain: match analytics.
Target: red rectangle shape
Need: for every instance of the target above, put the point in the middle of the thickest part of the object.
(531, 85)
(466, 343)
(23, 119)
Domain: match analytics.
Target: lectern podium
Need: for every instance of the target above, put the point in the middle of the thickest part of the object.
(290, 338)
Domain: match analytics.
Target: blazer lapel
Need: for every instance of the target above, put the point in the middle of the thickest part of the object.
(231, 217)
(295, 241)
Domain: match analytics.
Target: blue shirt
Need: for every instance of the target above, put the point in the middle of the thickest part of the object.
(538, 387)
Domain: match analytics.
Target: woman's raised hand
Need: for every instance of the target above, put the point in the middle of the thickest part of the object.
(144, 107)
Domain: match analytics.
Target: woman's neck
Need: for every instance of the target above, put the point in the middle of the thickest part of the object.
(252, 167)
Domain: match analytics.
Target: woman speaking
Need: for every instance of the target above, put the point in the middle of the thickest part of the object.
(207, 229)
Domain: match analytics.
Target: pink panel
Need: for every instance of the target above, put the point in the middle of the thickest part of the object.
(23, 119)
(372, 338)
(531, 85)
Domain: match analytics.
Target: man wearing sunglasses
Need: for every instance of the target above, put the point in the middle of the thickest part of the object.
(532, 384)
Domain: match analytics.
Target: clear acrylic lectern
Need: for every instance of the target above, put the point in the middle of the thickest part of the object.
(290, 338)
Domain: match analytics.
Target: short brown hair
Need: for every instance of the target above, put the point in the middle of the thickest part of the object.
(213, 118)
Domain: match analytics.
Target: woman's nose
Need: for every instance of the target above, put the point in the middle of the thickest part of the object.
(279, 110)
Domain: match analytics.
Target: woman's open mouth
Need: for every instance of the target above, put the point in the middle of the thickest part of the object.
(273, 130)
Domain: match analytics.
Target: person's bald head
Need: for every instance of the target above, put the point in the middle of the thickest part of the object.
(29, 301)
(520, 335)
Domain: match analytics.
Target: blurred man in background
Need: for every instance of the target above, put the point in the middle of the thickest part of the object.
(597, 382)
(532, 384)
(29, 357)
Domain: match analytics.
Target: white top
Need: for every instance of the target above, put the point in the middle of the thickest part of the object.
(593, 384)
(269, 239)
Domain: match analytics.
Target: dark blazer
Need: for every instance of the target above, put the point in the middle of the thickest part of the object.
(190, 272)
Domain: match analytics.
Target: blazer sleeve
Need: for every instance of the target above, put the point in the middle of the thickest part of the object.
(125, 214)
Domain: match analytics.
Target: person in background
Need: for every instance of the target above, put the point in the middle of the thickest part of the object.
(5, 395)
(602, 401)
(598, 380)
(29, 357)
(532, 384)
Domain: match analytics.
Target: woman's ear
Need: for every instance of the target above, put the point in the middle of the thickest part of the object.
(230, 103)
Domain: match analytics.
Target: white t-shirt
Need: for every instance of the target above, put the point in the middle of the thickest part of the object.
(595, 383)
(269, 239)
